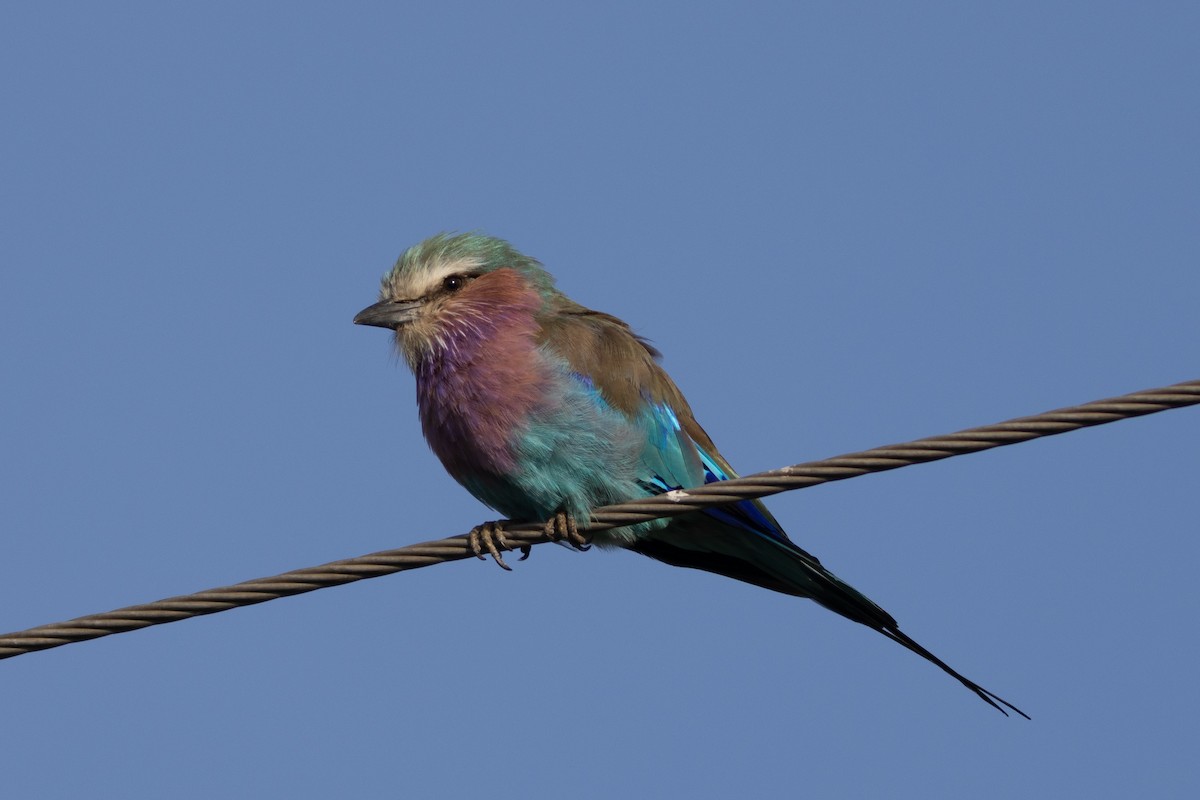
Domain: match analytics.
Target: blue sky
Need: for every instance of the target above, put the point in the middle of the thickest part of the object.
(845, 225)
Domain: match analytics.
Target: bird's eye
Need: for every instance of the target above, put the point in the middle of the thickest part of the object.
(453, 283)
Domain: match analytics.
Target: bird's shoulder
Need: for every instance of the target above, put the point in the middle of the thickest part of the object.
(622, 365)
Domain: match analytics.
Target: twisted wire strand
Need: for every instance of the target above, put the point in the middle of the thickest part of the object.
(798, 476)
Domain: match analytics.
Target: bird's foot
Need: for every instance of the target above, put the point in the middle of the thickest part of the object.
(490, 536)
(562, 528)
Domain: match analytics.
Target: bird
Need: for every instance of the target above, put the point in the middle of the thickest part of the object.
(544, 409)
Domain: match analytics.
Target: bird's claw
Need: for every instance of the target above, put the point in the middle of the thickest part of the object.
(488, 536)
(562, 528)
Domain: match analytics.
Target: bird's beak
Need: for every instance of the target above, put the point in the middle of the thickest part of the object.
(388, 313)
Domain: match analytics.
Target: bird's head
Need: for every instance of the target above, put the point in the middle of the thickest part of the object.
(455, 285)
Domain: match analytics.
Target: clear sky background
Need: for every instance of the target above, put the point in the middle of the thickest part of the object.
(845, 225)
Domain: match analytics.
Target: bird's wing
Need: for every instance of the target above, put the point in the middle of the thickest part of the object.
(623, 368)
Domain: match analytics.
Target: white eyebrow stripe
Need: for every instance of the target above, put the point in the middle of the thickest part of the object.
(430, 277)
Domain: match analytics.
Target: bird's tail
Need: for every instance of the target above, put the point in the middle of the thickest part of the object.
(700, 541)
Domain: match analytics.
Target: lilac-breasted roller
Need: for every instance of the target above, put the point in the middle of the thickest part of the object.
(544, 409)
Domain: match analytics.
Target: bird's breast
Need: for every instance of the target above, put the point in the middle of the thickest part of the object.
(477, 392)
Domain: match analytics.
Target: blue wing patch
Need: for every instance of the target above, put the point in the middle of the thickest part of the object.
(747, 514)
(670, 460)
(676, 462)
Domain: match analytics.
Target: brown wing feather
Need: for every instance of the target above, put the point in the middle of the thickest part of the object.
(621, 364)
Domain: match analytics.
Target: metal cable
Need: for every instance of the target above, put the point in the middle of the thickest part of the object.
(762, 484)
